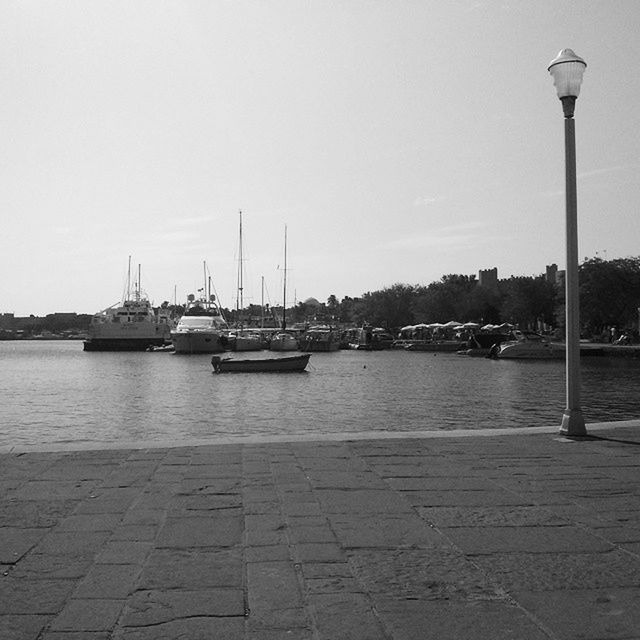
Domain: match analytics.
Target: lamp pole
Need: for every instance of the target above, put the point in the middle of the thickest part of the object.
(567, 70)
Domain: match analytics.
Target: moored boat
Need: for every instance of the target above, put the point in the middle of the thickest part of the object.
(201, 329)
(286, 364)
(132, 325)
(283, 341)
(368, 339)
(528, 345)
(480, 344)
(320, 338)
(243, 340)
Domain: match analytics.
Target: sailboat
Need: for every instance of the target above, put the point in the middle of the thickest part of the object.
(202, 327)
(243, 340)
(131, 325)
(282, 340)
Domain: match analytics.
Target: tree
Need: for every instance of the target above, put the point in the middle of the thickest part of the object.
(609, 293)
(391, 307)
(448, 299)
(527, 300)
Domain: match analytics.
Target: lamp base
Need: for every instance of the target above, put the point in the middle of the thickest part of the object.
(573, 423)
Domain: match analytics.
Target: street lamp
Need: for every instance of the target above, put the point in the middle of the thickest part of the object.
(567, 70)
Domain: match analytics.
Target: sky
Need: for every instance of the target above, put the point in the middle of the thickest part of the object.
(397, 140)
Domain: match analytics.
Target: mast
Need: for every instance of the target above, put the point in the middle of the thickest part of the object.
(139, 287)
(129, 280)
(239, 300)
(262, 302)
(284, 287)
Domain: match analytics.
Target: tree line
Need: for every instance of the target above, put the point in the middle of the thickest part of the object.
(609, 297)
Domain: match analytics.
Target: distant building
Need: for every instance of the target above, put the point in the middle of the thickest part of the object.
(552, 273)
(488, 278)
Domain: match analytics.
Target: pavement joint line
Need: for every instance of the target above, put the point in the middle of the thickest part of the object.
(313, 437)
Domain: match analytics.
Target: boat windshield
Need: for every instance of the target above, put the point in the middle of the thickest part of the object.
(201, 322)
(202, 311)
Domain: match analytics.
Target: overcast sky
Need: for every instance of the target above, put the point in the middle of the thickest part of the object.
(398, 140)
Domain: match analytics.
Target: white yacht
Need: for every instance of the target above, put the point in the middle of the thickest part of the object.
(201, 329)
(529, 345)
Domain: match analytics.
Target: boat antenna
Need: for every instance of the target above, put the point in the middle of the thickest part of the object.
(204, 270)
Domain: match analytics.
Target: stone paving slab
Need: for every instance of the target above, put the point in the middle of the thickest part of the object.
(527, 535)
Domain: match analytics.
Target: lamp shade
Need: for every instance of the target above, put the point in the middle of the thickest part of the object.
(567, 70)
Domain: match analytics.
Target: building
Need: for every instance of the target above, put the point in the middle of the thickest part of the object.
(488, 278)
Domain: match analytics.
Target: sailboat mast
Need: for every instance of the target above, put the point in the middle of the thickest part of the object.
(284, 287)
(262, 302)
(240, 302)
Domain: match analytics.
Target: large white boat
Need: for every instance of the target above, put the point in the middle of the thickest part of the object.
(529, 345)
(130, 325)
(201, 329)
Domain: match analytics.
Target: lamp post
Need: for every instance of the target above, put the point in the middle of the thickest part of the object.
(567, 70)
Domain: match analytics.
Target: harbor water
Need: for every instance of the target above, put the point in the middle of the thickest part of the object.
(55, 394)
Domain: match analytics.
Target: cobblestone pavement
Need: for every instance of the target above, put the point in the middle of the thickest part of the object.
(496, 537)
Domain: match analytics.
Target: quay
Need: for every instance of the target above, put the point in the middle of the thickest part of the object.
(519, 534)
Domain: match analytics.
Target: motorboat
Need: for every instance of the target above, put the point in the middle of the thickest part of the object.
(480, 344)
(201, 329)
(530, 346)
(130, 325)
(286, 364)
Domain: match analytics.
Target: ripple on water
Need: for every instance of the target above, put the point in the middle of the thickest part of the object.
(53, 392)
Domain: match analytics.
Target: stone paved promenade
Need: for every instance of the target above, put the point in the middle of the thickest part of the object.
(483, 537)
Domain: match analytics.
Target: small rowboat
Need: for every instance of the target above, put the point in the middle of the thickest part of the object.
(286, 364)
